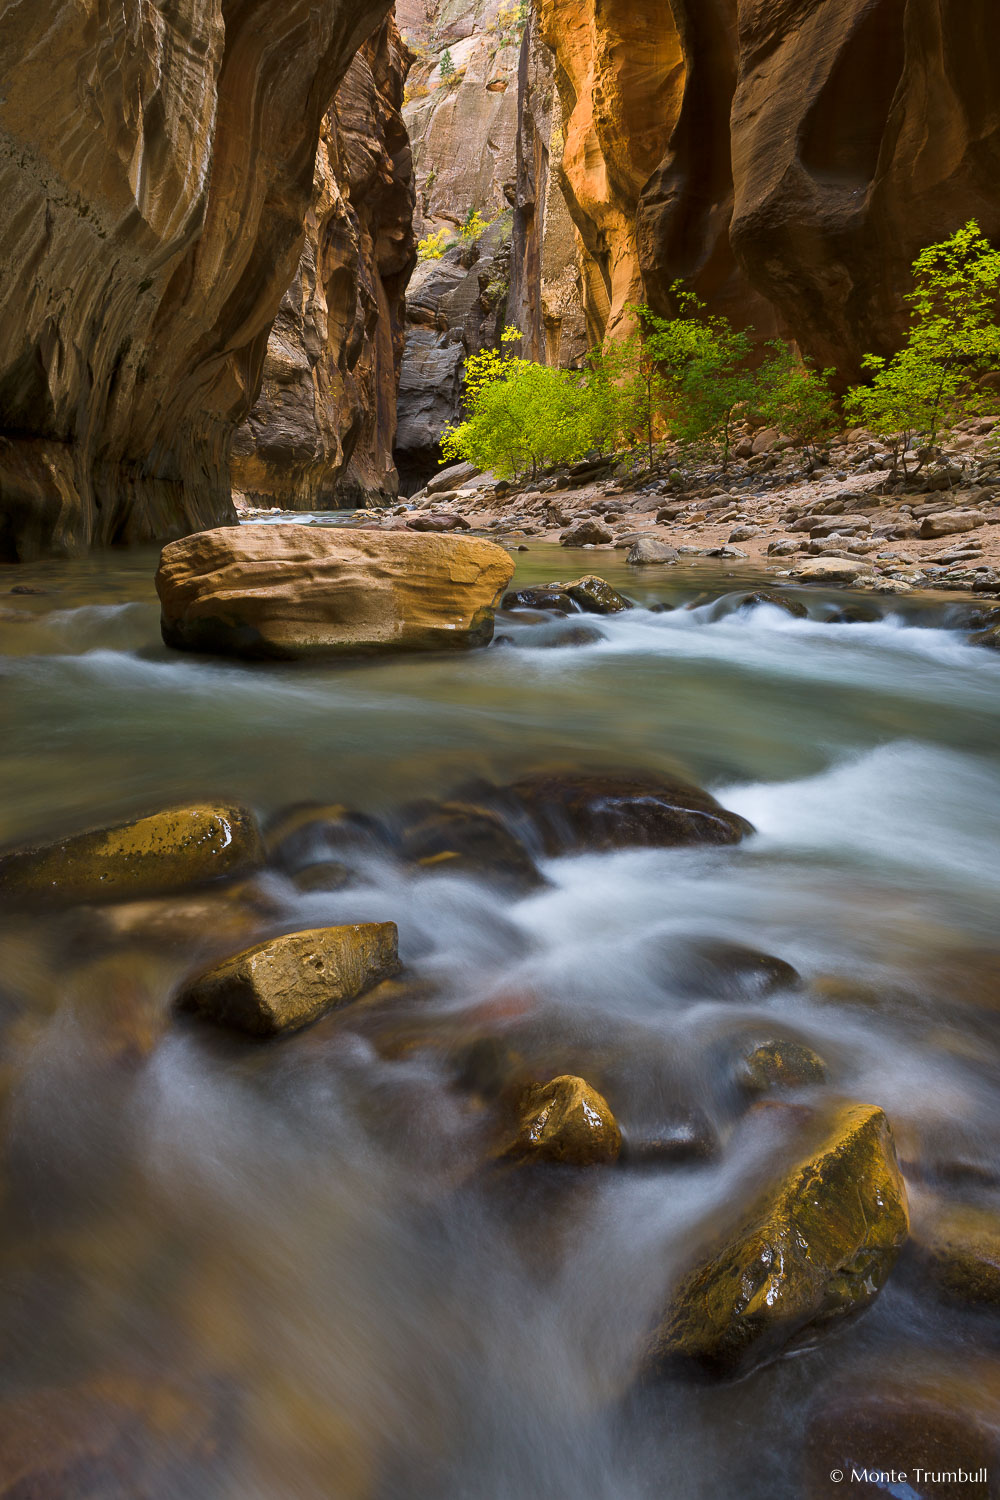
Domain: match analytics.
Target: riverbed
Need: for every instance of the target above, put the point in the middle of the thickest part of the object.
(303, 1243)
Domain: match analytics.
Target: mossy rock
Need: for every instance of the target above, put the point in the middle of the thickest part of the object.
(779, 1064)
(818, 1247)
(167, 852)
(567, 1122)
(286, 983)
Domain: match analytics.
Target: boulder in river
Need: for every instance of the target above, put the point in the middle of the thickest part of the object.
(565, 1121)
(291, 591)
(289, 981)
(154, 856)
(455, 837)
(649, 549)
(791, 606)
(713, 969)
(785, 1063)
(820, 1245)
(619, 811)
(594, 595)
(547, 598)
(586, 533)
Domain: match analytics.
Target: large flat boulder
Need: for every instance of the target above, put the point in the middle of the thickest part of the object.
(291, 591)
(164, 853)
(287, 982)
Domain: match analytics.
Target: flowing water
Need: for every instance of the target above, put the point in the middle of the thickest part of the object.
(287, 1271)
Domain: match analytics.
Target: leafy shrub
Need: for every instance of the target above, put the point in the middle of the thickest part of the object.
(953, 340)
(434, 246)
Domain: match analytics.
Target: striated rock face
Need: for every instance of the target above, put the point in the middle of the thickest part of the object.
(862, 130)
(322, 432)
(545, 300)
(156, 169)
(299, 591)
(788, 160)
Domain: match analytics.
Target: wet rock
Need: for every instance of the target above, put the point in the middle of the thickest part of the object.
(784, 1063)
(154, 856)
(325, 875)
(957, 1247)
(549, 598)
(594, 595)
(575, 635)
(310, 833)
(299, 591)
(568, 1122)
(648, 549)
(286, 983)
(457, 838)
(794, 607)
(109, 1438)
(989, 638)
(711, 969)
(620, 811)
(817, 1247)
(947, 523)
(586, 534)
(926, 1417)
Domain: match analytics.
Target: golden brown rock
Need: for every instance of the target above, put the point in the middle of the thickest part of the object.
(168, 851)
(156, 168)
(817, 1248)
(958, 1246)
(286, 983)
(322, 431)
(566, 1121)
(287, 591)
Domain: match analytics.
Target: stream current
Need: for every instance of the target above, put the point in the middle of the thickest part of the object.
(301, 1242)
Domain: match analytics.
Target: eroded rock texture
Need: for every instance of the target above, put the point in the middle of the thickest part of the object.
(156, 168)
(786, 158)
(322, 432)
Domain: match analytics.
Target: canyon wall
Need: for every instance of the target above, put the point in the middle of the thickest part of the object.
(786, 158)
(322, 432)
(156, 170)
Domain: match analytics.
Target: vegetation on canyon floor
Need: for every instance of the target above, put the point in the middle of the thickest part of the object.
(692, 378)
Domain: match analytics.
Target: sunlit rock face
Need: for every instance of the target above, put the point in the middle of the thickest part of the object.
(862, 130)
(321, 434)
(786, 158)
(156, 169)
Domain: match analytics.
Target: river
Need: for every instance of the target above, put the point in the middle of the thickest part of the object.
(301, 1241)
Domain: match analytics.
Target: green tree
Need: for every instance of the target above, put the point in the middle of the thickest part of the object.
(793, 396)
(446, 65)
(953, 340)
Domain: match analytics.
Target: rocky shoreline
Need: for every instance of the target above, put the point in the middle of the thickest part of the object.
(840, 521)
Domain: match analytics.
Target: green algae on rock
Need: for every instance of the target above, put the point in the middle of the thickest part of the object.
(287, 982)
(158, 855)
(819, 1247)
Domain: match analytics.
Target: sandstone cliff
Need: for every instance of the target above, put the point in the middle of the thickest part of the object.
(787, 158)
(322, 432)
(156, 169)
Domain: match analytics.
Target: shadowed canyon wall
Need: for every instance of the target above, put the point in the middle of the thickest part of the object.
(787, 158)
(156, 169)
(322, 432)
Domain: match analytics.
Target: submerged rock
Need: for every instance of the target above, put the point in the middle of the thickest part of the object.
(154, 856)
(820, 1246)
(586, 534)
(283, 984)
(712, 969)
(780, 1064)
(457, 837)
(549, 598)
(957, 1246)
(566, 1121)
(791, 606)
(289, 591)
(649, 549)
(908, 1410)
(629, 810)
